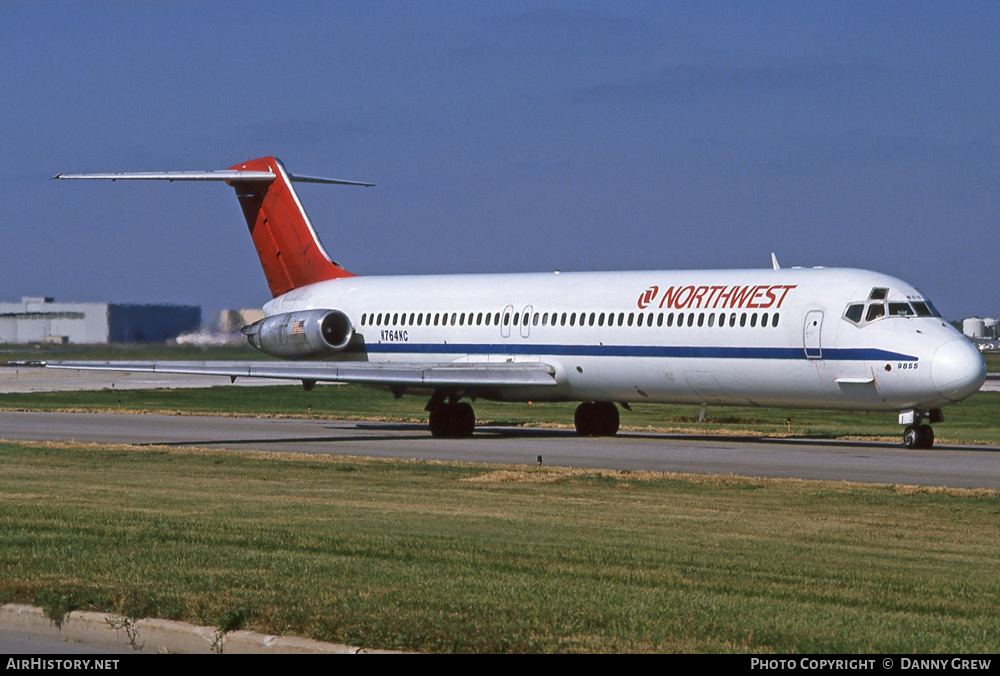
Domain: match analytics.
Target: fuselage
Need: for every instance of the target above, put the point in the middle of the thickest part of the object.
(811, 338)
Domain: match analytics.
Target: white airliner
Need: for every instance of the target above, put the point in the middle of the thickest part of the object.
(807, 338)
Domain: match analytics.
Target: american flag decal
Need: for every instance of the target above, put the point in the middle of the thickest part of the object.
(298, 328)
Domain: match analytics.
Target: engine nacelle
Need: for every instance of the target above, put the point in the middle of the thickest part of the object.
(301, 335)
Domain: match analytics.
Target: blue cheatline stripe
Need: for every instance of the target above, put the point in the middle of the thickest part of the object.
(678, 351)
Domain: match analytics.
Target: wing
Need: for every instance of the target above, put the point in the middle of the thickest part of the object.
(463, 375)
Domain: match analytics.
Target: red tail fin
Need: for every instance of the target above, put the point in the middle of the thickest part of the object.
(289, 250)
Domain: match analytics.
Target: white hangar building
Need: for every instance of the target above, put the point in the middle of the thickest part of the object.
(42, 320)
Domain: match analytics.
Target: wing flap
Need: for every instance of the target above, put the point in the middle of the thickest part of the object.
(366, 373)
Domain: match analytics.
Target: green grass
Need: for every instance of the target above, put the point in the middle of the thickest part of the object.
(971, 421)
(476, 558)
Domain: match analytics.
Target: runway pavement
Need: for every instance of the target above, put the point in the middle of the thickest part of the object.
(868, 462)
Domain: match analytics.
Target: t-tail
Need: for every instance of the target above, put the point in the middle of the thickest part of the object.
(289, 249)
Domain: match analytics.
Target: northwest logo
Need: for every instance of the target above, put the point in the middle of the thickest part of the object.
(647, 297)
(760, 296)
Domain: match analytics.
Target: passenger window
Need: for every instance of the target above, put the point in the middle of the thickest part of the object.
(701, 319)
(753, 320)
(659, 319)
(691, 319)
(743, 320)
(774, 320)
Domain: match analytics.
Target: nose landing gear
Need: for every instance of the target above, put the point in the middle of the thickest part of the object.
(918, 436)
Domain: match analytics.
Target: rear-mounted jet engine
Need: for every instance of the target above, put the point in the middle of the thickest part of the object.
(308, 334)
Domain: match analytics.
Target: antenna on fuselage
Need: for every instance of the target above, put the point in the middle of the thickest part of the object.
(774, 262)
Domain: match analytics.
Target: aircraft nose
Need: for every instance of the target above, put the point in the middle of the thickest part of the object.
(957, 370)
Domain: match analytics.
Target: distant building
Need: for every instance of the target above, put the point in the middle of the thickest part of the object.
(982, 332)
(42, 320)
(231, 321)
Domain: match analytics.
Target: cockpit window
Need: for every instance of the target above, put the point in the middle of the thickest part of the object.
(875, 310)
(855, 312)
(878, 306)
(925, 309)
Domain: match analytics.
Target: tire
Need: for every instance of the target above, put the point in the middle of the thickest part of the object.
(911, 437)
(584, 419)
(452, 421)
(463, 420)
(607, 419)
(440, 421)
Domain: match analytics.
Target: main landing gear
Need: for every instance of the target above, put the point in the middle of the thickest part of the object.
(597, 419)
(451, 419)
(454, 419)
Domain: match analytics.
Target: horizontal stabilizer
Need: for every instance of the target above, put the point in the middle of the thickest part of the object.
(228, 175)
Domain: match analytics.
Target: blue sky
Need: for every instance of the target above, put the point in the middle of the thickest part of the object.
(513, 136)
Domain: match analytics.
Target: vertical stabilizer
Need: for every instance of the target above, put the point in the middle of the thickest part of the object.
(289, 250)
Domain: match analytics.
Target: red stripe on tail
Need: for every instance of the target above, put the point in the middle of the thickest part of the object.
(289, 250)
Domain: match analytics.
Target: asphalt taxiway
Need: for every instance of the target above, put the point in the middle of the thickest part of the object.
(958, 466)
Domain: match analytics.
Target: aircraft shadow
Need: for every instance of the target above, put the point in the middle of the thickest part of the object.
(389, 432)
